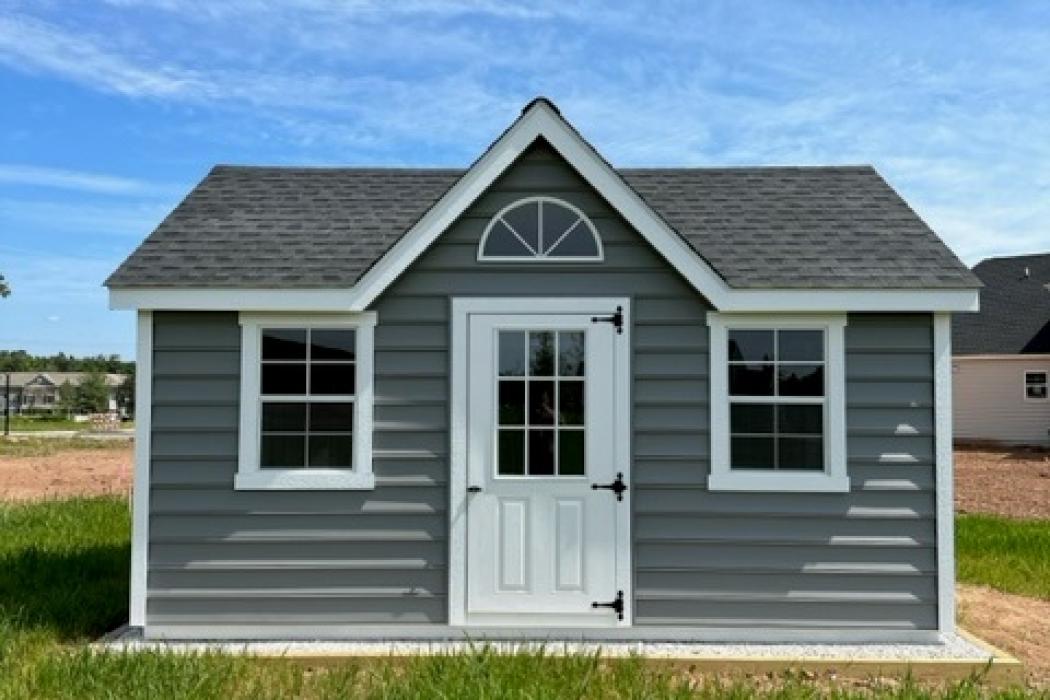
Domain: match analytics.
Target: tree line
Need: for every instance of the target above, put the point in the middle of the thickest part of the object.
(22, 361)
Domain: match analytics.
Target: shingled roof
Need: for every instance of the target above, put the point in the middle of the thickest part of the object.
(1015, 309)
(758, 227)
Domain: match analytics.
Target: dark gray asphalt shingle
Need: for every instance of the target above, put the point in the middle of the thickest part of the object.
(815, 227)
(1015, 309)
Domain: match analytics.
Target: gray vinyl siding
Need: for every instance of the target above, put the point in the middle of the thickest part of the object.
(865, 559)
(860, 560)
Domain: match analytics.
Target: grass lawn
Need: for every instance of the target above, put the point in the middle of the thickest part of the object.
(63, 581)
(27, 423)
(1007, 554)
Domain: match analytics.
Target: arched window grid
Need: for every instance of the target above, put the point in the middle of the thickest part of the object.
(540, 249)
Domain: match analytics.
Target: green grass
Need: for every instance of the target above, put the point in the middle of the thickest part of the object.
(63, 582)
(41, 446)
(1007, 554)
(34, 423)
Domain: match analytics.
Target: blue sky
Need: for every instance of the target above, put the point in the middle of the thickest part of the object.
(110, 111)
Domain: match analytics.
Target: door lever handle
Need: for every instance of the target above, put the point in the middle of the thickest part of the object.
(473, 489)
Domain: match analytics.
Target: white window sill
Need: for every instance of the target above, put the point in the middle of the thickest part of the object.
(304, 480)
(772, 482)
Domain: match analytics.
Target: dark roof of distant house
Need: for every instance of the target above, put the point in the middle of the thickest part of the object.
(758, 227)
(1015, 309)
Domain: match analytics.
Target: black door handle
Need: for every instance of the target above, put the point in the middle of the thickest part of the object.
(473, 489)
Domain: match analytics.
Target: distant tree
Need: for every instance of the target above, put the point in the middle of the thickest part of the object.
(92, 395)
(126, 395)
(67, 398)
(5, 288)
(22, 361)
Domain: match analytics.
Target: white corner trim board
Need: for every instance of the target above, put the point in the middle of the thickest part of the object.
(250, 475)
(540, 120)
(834, 478)
(141, 486)
(942, 393)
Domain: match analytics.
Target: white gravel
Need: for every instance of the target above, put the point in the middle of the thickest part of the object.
(953, 648)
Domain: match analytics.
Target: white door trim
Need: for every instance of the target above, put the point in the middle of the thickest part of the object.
(462, 309)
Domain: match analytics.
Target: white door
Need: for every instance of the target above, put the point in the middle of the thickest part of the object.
(542, 541)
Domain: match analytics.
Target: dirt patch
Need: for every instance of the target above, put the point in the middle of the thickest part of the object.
(1000, 481)
(1017, 624)
(66, 473)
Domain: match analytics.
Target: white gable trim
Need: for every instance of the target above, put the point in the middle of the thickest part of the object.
(542, 120)
(539, 120)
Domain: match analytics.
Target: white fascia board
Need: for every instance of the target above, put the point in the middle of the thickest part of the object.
(845, 300)
(167, 299)
(1033, 357)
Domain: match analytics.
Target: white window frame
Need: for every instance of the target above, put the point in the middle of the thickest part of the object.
(1045, 384)
(834, 478)
(250, 476)
(538, 256)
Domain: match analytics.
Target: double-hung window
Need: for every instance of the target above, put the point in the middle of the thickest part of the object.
(777, 403)
(1035, 385)
(306, 402)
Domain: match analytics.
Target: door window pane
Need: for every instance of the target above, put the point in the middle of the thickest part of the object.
(541, 354)
(570, 354)
(510, 456)
(511, 402)
(541, 403)
(541, 452)
(570, 453)
(512, 353)
(570, 403)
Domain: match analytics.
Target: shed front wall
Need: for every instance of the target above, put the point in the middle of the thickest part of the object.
(864, 560)
(989, 400)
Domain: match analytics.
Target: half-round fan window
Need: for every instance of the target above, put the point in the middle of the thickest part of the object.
(540, 228)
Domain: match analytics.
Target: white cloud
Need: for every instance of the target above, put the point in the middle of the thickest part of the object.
(19, 174)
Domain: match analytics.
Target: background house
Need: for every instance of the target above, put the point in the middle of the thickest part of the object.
(1001, 363)
(39, 392)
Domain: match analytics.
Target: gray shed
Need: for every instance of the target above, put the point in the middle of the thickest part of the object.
(543, 397)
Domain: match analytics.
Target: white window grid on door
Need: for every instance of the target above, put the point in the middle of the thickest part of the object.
(526, 426)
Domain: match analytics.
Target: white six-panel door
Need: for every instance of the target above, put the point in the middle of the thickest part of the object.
(542, 420)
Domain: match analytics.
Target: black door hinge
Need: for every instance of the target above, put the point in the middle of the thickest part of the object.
(616, 605)
(617, 487)
(616, 319)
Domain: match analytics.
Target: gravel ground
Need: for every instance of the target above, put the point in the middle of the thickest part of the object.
(1001, 481)
(953, 648)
